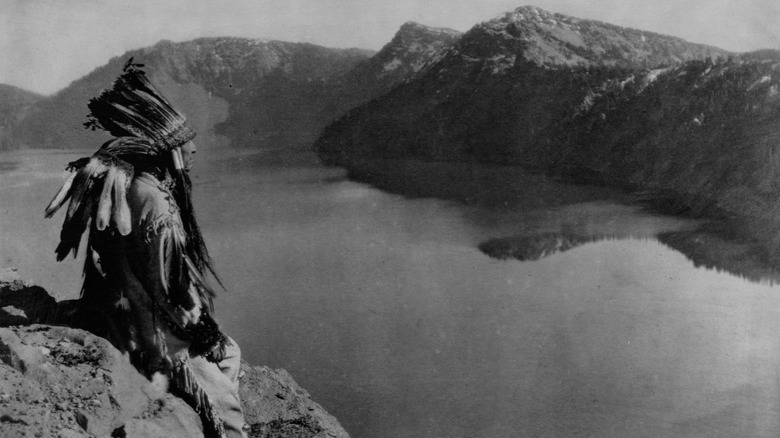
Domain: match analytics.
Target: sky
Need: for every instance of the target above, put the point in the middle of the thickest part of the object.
(46, 44)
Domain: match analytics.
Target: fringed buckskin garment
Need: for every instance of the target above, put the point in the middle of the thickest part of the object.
(145, 286)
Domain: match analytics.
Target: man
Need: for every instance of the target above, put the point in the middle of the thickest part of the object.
(145, 286)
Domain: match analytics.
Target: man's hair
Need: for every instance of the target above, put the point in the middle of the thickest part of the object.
(196, 246)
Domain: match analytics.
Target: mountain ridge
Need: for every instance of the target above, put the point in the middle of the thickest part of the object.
(203, 77)
(528, 77)
(555, 40)
(236, 91)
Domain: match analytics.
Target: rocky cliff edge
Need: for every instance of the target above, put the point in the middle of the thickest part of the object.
(59, 381)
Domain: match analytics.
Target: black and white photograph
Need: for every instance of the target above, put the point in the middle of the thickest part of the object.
(389, 219)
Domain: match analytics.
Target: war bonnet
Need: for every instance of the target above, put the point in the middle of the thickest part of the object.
(134, 107)
(148, 130)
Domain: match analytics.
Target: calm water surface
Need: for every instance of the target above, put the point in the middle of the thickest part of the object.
(382, 306)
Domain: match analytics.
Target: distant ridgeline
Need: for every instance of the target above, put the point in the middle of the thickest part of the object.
(506, 88)
(592, 102)
(236, 91)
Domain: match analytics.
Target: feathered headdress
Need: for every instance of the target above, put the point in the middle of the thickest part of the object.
(149, 132)
(134, 107)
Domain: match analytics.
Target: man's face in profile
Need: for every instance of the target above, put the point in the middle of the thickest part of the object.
(188, 155)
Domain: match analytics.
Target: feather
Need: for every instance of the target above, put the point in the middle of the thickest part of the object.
(73, 228)
(163, 257)
(80, 208)
(62, 195)
(82, 185)
(121, 211)
(103, 217)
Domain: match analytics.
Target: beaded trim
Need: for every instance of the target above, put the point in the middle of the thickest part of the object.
(178, 136)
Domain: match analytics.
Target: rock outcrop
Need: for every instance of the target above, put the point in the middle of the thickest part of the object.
(58, 381)
(275, 406)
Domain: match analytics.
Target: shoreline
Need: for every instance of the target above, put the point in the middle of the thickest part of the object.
(750, 239)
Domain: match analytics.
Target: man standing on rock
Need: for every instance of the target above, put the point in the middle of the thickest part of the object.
(145, 275)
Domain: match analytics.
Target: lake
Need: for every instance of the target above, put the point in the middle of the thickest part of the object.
(377, 299)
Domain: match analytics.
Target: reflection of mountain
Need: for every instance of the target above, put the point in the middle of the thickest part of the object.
(724, 251)
(526, 248)
(721, 249)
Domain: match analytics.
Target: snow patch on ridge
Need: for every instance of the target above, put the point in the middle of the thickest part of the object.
(392, 65)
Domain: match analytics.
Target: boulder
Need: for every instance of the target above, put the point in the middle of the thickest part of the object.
(64, 382)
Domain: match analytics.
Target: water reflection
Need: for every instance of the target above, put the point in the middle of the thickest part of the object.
(578, 215)
(723, 250)
(526, 248)
(714, 249)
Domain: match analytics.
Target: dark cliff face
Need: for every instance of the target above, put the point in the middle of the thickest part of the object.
(501, 84)
(705, 130)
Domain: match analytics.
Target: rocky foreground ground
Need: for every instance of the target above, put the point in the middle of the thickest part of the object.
(58, 381)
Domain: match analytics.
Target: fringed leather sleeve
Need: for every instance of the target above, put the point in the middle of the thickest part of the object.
(167, 274)
(172, 279)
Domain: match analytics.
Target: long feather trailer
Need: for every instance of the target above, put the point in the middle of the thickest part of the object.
(73, 228)
(103, 216)
(120, 213)
(97, 190)
(83, 185)
(62, 195)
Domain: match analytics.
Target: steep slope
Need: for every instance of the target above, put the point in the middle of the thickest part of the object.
(499, 86)
(15, 105)
(413, 48)
(704, 132)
